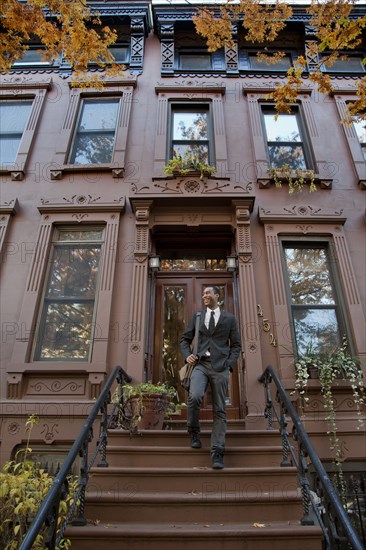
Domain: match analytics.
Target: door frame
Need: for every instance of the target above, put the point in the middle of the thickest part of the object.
(199, 279)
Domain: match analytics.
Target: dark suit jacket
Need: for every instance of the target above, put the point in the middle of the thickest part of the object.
(224, 344)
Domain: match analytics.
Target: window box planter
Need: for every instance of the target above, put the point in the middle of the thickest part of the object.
(295, 179)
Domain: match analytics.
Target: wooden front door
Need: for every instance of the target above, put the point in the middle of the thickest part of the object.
(177, 297)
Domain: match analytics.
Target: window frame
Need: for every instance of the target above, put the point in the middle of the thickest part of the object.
(78, 131)
(38, 49)
(339, 306)
(245, 64)
(303, 223)
(362, 143)
(87, 210)
(37, 93)
(330, 70)
(121, 89)
(42, 312)
(182, 106)
(7, 133)
(255, 97)
(342, 97)
(304, 140)
(192, 52)
(207, 94)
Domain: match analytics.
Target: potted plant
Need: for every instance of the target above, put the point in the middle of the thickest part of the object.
(144, 406)
(187, 164)
(327, 368)
(295, 178)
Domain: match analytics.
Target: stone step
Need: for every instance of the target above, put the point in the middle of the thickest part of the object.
(180, 438)
(126, 481)
(138, 456)
(183, 508)
(196, 536)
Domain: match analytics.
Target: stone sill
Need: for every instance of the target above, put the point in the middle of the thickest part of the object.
(58, 174)
(323, 183)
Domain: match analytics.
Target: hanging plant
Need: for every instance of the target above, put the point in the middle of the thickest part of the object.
(328, 368)
(296, 179)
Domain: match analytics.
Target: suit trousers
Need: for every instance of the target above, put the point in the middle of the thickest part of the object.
(203, 374)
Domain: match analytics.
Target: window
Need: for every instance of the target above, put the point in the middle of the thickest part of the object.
(360, 128)
(120, 53)
(14, 116)
(285, 142)
(282, 64)
(350, 64)
(94, 138)
(195, 60)
(313, 298)
(33, 56)
(65, 328)
(190, 132)
(94, 132)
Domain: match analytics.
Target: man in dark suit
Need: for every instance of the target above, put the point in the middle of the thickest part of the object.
(217, 353)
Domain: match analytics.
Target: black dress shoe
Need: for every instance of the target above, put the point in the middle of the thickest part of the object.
(218, 460)
(195, 441)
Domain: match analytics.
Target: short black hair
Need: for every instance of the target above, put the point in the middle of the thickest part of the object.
(215, 289)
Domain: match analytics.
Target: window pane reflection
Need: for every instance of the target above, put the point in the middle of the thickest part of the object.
(173, 328)
(193, 264)
(309, 276)
(316, 330)
(190, 126)
(313, 299)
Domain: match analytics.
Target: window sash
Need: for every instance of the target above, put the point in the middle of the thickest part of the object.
(285, 144)
(32, 56)
(94, 138)
(14, 116)
(282, 64)
(195, 61)
(69, 302)
(315, 312)
(197, 140)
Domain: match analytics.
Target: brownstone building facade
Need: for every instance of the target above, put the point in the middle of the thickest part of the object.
(104, 256)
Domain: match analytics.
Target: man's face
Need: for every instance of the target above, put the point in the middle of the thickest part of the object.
(209, 298)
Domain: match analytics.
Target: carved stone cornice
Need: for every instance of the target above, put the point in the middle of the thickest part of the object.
(19, 82)
(301, 213)
(193, 88)
(111, 82)
(81, 203)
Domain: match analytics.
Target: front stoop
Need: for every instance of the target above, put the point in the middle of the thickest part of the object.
(158, 493)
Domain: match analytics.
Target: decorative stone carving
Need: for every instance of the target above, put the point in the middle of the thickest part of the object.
(137, 43)
(167, 48)
(231, 54)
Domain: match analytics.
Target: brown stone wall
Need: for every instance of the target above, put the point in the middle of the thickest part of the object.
(129, 203)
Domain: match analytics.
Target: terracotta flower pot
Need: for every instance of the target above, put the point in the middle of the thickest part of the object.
(148, 411)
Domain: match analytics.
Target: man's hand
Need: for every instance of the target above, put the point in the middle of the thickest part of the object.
(192, 359)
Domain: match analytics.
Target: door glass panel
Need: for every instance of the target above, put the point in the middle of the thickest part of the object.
(193, 264)
(173, 327)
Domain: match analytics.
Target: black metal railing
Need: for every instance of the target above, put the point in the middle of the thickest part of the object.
(49, 511)
(321, 501)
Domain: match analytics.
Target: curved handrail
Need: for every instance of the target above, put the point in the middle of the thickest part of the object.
(331, 496)
(49, 507)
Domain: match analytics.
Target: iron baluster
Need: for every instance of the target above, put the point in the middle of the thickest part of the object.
(284, 436)
(103, 435)
(84, 476)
